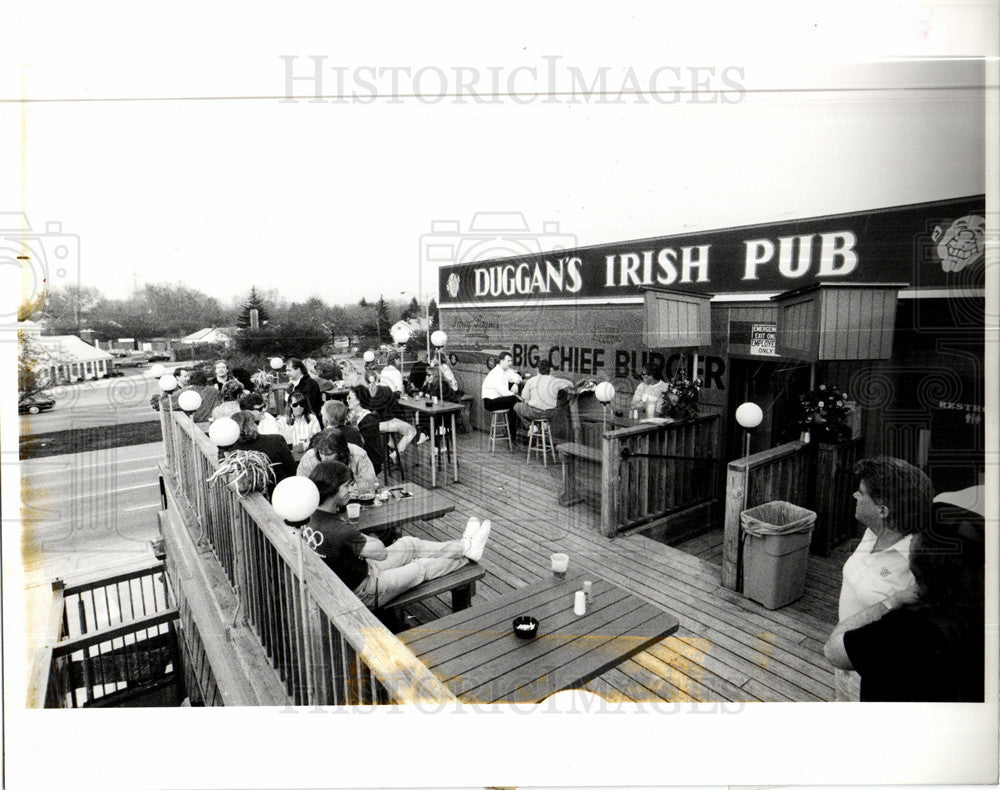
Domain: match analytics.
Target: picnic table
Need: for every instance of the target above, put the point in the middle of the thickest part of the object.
(441, 410)
(476, 654)
(409, 502)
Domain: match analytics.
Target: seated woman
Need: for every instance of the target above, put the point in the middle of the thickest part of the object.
(924, 643)
(331, 445)
(272, 445)
(651, 389)
(375, 573)
(254, 402)
(384, 404)
(299, 424)
(892, 503)
(232, 391)
(364, 423)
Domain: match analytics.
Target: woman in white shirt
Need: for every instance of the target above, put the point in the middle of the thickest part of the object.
(650, 390)
(299, 424)
(893, 503)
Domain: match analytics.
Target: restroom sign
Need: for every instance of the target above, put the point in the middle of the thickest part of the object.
(763, 340)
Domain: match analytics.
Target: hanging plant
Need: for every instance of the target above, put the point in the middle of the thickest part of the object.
(245, 471)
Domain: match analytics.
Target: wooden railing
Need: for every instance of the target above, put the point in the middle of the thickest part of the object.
(813, 476)
(244, 578)
(114, 643)
(651, 472)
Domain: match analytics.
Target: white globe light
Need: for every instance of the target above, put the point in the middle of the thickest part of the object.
(369, 356)
(168, 383)
(157, 370)
(749, 415)
(189, 400)
(295, 498)
(224, 432)
(605, 392)
(277, 363)
(400, 334)
(439, 338)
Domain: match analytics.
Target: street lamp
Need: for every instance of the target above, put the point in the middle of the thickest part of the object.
(749, 416)
(295, 499)
(224, 432)
(439, 338)
(605, 393)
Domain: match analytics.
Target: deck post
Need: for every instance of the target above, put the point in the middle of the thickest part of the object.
(610, 477)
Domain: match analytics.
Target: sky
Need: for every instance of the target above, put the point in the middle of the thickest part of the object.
(157, 135)
(202, 172)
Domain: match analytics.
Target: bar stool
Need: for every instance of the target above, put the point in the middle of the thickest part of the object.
(388, 464)
(540, 441)
(500, 430)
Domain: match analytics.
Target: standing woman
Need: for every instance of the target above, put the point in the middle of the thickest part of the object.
(926, 643)
(299, 424)
(892, 503)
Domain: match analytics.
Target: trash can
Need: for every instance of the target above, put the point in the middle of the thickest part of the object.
(776, 538)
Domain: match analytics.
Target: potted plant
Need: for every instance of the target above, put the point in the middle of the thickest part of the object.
(680, 400)
(824, 415)
(245, 472)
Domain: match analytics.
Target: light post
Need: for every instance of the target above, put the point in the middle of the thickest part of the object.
(190, 402)
(295, 499)
(439, 338)
(605, 393)
(749, 416)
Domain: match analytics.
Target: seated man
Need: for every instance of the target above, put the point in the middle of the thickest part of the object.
(253, 402)
(273, 446)
(418, 373)
(498, 391)
(540, 395)
(374, 573)
(183, 380)
(210, 398)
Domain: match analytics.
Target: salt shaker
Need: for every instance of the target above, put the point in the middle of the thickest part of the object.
(586, 591)
(579, 603)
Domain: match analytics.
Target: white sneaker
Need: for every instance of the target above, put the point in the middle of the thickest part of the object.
(533, 431)
(421, 439)
(478, 541)
(471, 527)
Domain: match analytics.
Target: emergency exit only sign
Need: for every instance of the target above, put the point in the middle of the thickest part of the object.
(763, 340)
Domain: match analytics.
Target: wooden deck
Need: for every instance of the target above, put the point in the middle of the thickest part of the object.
(728, 648)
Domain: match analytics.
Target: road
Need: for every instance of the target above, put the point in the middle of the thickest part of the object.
(95, 510)
(87, 511)
(93, 403)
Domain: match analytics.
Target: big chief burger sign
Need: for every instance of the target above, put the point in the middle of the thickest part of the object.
(929, 245)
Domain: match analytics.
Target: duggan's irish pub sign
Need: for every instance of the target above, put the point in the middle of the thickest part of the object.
(935, 245)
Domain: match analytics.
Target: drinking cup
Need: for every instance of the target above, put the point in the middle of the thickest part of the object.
(354, 511)
(560, 562)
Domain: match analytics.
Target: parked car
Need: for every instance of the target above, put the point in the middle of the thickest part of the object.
(32, 404)
(158, 356)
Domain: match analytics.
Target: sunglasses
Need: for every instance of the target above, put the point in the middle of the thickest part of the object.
(298, 405)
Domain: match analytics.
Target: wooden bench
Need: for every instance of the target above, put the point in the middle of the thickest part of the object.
(574, 456)
(461, 584)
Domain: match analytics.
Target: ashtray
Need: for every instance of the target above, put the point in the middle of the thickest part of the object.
(525, 626)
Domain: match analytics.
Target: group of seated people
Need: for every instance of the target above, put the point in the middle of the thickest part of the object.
(537, 399)
(911, 610)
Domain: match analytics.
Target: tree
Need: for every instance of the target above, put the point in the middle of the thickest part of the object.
(253, 302)
(33, 359)
(69, 308)
(412, 310)
(432, 310)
